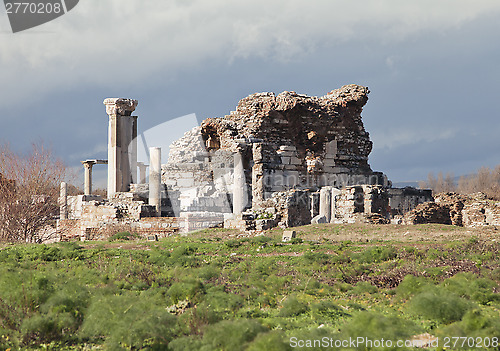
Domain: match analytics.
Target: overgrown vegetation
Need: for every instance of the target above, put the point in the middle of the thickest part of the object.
(203, 293)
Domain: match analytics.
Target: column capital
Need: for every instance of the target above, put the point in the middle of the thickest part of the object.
(120, 106)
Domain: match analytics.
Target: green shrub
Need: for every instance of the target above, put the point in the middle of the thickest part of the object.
(440, 305)
(364, 287)
(292, 307)
(128, 322)
(231, 335)
(296, 241)
(185, 343)
(188, 290)
(260, 240)
(375, 254)
(232, 243)
(223, 302)
(412, 285)
(124, 236)
(475, 323)
(472, 287)
(327, 309)
(183, 255)
(272, 341)
(316, 257)
(375, 326)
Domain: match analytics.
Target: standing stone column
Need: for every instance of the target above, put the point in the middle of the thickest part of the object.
(335, 194)
(325, 203)
(63, 201)
(258, 185)
(155, 178)
(122, 144)
(142, 172)
(240, 196)
(87, 186)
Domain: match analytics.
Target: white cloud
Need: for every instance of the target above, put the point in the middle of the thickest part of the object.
(114, 42)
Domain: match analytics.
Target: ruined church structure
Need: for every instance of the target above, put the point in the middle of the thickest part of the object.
(277, 160)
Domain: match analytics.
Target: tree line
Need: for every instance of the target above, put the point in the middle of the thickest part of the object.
(485, 180)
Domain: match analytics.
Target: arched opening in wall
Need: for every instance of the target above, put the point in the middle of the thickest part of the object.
(359, 200)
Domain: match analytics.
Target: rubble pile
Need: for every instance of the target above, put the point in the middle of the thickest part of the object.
(456, 209)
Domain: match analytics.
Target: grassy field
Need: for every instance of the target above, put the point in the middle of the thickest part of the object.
(222, 290)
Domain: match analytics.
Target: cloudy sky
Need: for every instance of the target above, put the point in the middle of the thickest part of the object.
(433, 68)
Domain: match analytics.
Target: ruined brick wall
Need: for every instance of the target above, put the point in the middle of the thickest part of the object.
(460, 210)
(403, 200)
(313, 125)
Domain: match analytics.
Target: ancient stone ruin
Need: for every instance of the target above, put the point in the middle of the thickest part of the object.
(474, 210)
(277, 160)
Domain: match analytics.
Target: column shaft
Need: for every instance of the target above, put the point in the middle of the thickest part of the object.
(155, 178)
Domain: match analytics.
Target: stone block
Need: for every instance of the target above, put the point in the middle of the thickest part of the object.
(285, 160)
(287, 148)
(329, 162)
(288, 235)
(331, 147)
(185, 182)
(295, 161)
(318, 219)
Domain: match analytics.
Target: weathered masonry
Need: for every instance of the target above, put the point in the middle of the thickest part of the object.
(277, 160)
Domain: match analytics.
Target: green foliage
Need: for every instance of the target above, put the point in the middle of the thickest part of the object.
(188, 290)
(316, 257)
(293, 307)
(412, 285)
(475, 323)
(232, 243)
(124, 236)
(231, 335)
(472, 287)
(59, 317)
(375, 254)
(364, 288)
(294, 241)
(272, 341)
(260, 240)
(440, 305)
(187, 343)
(185, 293)
(327, 309)
(128, 321)
(184, 255)
(375, 326)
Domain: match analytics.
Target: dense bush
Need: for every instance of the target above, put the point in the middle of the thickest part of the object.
(412, 285)
(375, 254)
(472, 287)
(292, 307)
(375, 326)
(231, 335)
(128, 321)
(439, 304)
(124, 236)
